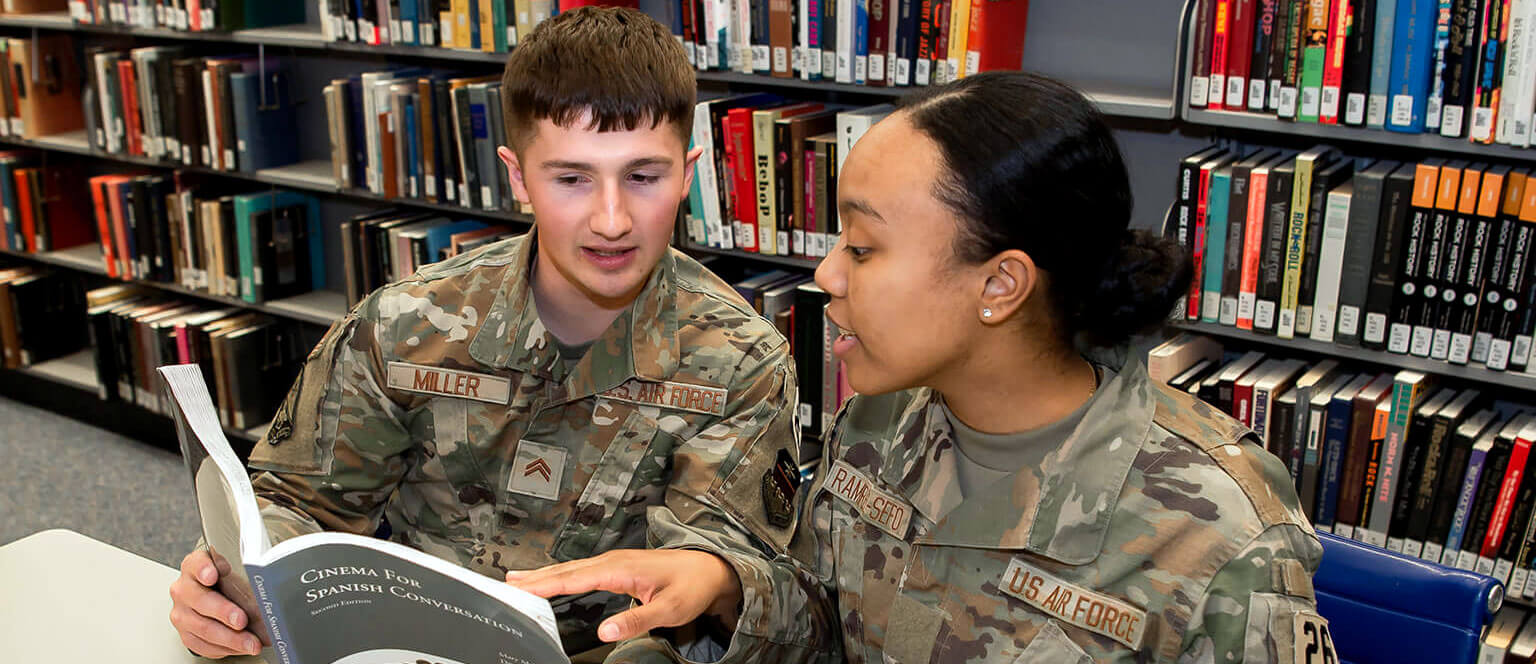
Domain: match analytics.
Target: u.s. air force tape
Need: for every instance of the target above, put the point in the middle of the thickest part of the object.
(703, 399)
(1073, 604)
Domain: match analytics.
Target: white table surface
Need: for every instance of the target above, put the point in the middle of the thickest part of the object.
(65, 597)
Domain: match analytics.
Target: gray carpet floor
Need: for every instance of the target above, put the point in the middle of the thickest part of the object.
(56, 472)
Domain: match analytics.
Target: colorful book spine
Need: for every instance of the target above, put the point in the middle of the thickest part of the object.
(1412, 64)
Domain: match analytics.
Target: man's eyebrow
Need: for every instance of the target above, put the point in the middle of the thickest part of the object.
(861, 206)
(585, 166)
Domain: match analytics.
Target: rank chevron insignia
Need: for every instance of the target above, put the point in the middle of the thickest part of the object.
(537, 466)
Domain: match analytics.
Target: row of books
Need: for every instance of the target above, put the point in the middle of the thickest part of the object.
(253, 245)
(385, 246)
(1460, 68)
(226, 113)
(41, 205)
(39, 88)
(491, 26)
(1509, 639)
(1394, 459)
(248, 359)
(1430, 259)
(42, 316)
(767, 180)
(795, 304)
(865, 42)
(414, 133)
(186, 15)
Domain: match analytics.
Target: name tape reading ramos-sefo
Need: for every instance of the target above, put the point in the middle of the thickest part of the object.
(882, 509)
(438, 381)
(1076, 605)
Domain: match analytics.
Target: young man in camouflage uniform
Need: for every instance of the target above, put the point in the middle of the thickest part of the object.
(542, 399)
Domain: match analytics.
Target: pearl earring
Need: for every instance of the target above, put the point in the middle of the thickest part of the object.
(986, 313)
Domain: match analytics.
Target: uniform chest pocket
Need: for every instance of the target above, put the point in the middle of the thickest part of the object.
(1051, 644)
(608, 485)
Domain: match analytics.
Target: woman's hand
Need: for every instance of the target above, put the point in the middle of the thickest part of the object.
(674, 587)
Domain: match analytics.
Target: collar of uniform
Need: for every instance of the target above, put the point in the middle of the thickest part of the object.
(649, 323)
(1064, 506)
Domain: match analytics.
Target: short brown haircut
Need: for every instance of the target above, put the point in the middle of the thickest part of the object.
(618, 63)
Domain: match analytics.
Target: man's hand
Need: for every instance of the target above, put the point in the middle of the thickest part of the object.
(674, 587)
(209, 624)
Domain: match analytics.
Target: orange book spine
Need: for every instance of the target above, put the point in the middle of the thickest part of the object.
(119, 227)
(1253, 246)
(23, 179)
(99, 197)
(129, 84)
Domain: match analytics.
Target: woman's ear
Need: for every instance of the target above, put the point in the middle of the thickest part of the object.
(1010, 278)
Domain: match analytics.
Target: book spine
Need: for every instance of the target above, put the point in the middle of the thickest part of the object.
(1272, 262)
(1333, 62)
(1295, 248)
(1404, 400)
(906, 40)
(1295, 36)
(1412, 65)
(1330, 266)
(1239, 53)
(1434, 101)
(1220, 42)
(1202, 205)
(762, 144)
(1215, 244)
(1335, 449)
(1263, 44)
(1253, 248)
(1484, 502)
(1232, 267)
(1281, 38)
(1314, 58)
(1357, 60)
(1406, 300)
(1464, 505)
(1461, 51)
(1508, 489)
(1489, 84)
(1200, 65)
(1307, 286)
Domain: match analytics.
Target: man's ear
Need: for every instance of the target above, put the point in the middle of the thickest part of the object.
(690, 167)
(514, 173)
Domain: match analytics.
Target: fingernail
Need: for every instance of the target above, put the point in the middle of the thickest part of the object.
(208, 575)
(608, 632)
(253, 646)
(234, 617)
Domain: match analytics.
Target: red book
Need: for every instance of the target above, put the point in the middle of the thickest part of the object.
(1253, 246)
(998, 43)
(880, 17)
(128, 81)
(1197, 242)
(1219, 33)
(61, 210)
(103, 224)
(1239, 53)
(1339, 19)
(23, 178)
(809, 156)
(114, 193)
(920, 73)
(744, 185)
(1507, 491)
(943, 11)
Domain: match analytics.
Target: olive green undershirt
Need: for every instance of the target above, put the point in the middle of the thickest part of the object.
(985, 458)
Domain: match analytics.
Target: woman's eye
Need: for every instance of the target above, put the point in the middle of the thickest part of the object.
(857, 252)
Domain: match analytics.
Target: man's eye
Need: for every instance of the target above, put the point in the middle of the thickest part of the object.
(570, 180)
(642, 178)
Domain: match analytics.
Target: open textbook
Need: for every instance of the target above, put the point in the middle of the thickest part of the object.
(328, 598)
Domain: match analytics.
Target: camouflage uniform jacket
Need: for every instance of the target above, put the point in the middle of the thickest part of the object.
(440, 402)
(1159, 531)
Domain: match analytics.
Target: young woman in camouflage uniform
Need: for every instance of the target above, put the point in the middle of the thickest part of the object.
(1010, 485)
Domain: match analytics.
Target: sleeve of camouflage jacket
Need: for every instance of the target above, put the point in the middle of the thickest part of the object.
(1260, 606)
(729, 519)
(333, 473)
